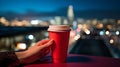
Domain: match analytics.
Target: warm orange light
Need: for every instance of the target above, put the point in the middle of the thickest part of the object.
(111, 41)
(100, 25)
(109, 26)
(94, 22)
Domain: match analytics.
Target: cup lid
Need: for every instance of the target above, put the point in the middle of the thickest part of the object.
(59, 28)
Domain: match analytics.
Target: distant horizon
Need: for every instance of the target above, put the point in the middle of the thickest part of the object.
(22, 6)
(114, 14)
(82, 8)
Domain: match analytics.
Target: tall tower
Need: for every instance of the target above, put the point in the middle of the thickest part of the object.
(70, 15)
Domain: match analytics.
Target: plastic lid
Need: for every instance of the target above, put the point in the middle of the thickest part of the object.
(59, 28)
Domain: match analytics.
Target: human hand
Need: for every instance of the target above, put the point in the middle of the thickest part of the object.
(39, 50)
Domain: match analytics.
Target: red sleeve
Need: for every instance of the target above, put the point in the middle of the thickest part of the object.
(8, 59)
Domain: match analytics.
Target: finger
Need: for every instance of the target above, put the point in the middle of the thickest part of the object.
(44, 50)
(42, 42)
(48, 43)
(44, 54)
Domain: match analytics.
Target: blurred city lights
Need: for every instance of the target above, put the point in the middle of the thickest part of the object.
(65, 21)
(117, 32)
(21, 46)
(78, 29)
(85, 26)
(77, 37)
(58, 20)
(87, 32)
(109, 26)
(70, 11)
(74, 25)
(100, 25)
(101, 32)
(52, 21)
(81, 27)
(94, 22)
(46, 34)
(107, 32)
(32, 44)
(30, 37)
(111, 41)
(4, 21)
(34, 22)
(118, 22)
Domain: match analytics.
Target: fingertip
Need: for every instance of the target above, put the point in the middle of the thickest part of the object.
(49, 43)
(51, 40)
(42, 42)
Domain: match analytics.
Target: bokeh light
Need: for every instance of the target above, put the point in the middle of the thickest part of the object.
(21, 46)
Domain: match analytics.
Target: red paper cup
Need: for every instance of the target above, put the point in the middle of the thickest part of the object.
(60, 35)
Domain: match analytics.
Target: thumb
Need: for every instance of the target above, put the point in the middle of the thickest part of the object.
(42, 42)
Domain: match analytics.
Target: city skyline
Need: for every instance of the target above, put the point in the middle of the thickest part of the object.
(21, 6)
(82, 8)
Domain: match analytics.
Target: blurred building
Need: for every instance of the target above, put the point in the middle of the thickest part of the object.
(58, 20)
(70, 15)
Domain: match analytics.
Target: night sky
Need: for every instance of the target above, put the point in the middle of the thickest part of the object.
(22, 6)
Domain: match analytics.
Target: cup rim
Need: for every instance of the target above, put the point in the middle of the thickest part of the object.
(59, 28)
